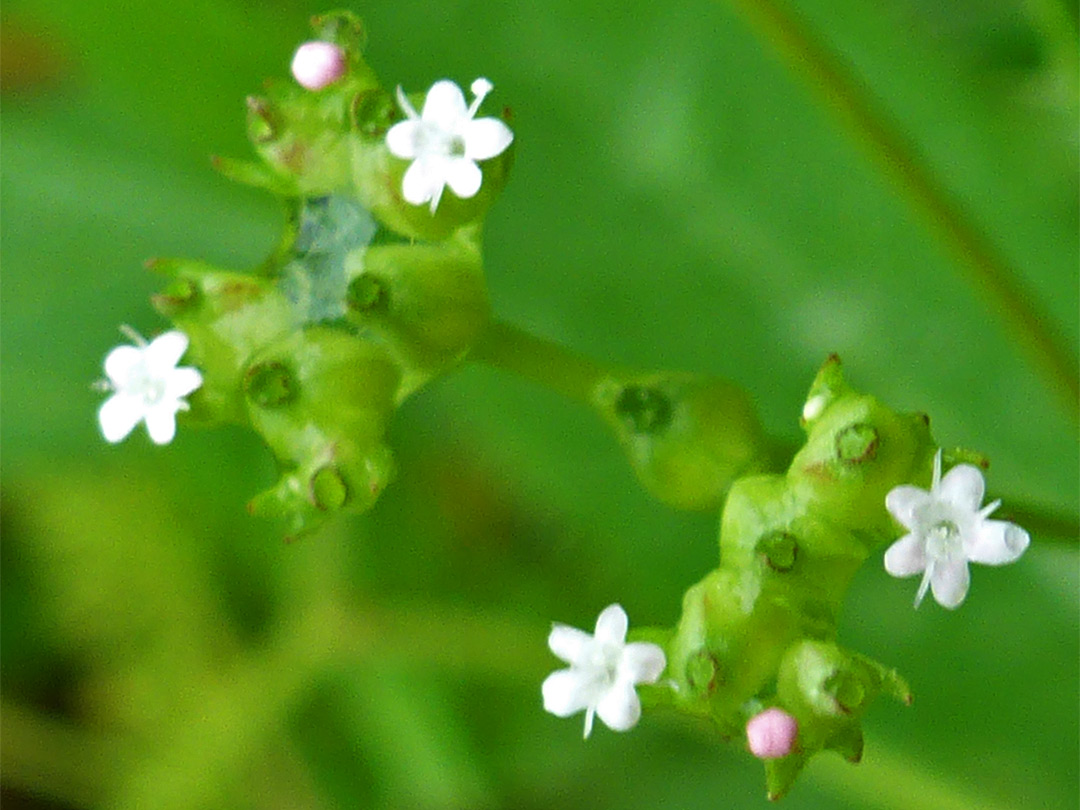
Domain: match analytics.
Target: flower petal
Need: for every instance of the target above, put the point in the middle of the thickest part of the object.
(405, 104)
(119, 415)
(120, 362)
(565, 693)
(422, 180)
(182, 382)
(905, 557)
(401, 139)
(642, 662)
(611, 625)
(444, 104)
(161, 423)
(464, 177)
(963, 486)
(619, 708)
(486, 137)
(996, 542)
(903, 501)
(165, 351)
(949, 582)
(568, 642)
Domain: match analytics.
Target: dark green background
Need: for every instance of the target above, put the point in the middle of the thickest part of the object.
(680, 199)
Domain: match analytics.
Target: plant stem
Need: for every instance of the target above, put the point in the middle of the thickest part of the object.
(546, 363)
(898, 157)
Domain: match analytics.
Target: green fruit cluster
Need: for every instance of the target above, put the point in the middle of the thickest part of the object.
(365, 300)
(760, 630)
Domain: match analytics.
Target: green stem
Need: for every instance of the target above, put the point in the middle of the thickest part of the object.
(898, 157)
(511, 349)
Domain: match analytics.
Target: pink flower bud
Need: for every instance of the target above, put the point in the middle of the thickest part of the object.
(771, 734)
(318, 64)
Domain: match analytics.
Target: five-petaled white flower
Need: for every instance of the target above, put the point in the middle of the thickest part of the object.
(444, 142)
(603, 672)
(147, 386)
(946, 530)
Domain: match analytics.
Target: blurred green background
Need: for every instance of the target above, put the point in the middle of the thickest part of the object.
(681, 198)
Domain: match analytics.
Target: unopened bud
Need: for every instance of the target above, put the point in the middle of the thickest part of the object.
(318, 64)
(771, 734)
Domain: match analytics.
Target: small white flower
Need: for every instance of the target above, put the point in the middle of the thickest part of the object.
(316, 65)
(947, 529)
(444, 142)
(603, 672)
(147, 386)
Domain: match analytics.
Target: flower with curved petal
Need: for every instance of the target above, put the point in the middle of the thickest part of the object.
(603, 672)
(147, 387)
(444, 142)
(947, 528)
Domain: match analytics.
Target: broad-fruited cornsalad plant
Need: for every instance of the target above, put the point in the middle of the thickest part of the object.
(377, 287)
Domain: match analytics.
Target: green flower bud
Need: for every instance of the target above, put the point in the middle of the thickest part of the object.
(321, 399)
(687, 436)
(227, 316)
(857, 450)
(427, 301)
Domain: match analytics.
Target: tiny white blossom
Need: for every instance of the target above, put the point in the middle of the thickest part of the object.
(946, 530)
(147, 387)
(444, 141)
(603, 672)
(316, 65)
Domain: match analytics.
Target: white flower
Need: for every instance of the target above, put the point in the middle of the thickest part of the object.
(444, 142)
(316, 65)
(947, 529)
(147, 385)
(603, 672)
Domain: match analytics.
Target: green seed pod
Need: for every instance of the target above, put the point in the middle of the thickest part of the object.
(228, 317)
(857, 450)
(765, 523)
(734, 629)
(827, 689)
(687, 436)
(427, 301)
(321, 399)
